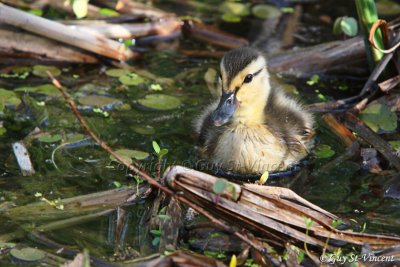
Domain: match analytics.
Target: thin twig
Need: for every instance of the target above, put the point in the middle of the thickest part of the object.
(222, 225)
(358, 126)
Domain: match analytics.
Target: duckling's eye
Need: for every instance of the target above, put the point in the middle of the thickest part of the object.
(248, 78)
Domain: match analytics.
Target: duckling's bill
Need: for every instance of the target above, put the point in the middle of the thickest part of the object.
(226, 107)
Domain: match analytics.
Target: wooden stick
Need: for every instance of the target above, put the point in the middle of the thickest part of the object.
(209, 34)
(21, 46)
(358, 126)
(339, 130)
(131, 30)
(62, 33)
(23, 159)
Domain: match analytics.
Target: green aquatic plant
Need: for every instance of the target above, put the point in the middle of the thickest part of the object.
(345, 25)
(157, 237)
(367, 14)
(160, 154)
(309, 223)
(55, 203)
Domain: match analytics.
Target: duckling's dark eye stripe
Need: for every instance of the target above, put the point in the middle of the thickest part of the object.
(257, 72)
(249, 77)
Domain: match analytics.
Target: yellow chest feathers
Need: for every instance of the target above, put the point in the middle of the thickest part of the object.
(250, 149)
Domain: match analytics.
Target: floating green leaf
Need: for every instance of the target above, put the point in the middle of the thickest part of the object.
(8, 98)
(314, 79)
(237, 9)
(98, 101)
(323, 151)
(379, 116)
(45, 89)
(287, 9)
(219, 186)
(231, 18)
(156, 87)
(4, 245)
(27, 254)
(131, 79)
(128, 154)
(41, 70)
(265, 11)
(50, 138)
(143, 129)
(395, 144)
(108, 12)
(117, 72)
(80, 8)
(2, 130)
(160, 102)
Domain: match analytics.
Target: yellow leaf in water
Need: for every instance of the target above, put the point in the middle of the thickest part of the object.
(264, 178)
(233, 262)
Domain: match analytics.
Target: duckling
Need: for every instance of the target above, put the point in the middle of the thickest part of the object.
(253, 127)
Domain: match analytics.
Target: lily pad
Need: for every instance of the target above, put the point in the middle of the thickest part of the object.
(237, 9)
(27, 254)
(8, 98)
(160, 102)
(265, 11)
(323, 151)
(143, 129)
(2, 130)
(231, 18)
(128, 154)
(6, 245)
(395, 144)
(131, 79)
(50, 138)
(41, 70)
(99, 101)
(117, 72)
(379, 116)
(45, 89)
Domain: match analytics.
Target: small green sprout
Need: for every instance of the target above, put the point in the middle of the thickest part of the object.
(156, 239)
(138, 182)
(160, 154)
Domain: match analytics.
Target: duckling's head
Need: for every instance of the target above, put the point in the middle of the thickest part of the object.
(245, 85)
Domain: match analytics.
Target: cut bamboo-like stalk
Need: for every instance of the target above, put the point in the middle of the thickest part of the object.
(57, 31)
(368, 14)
